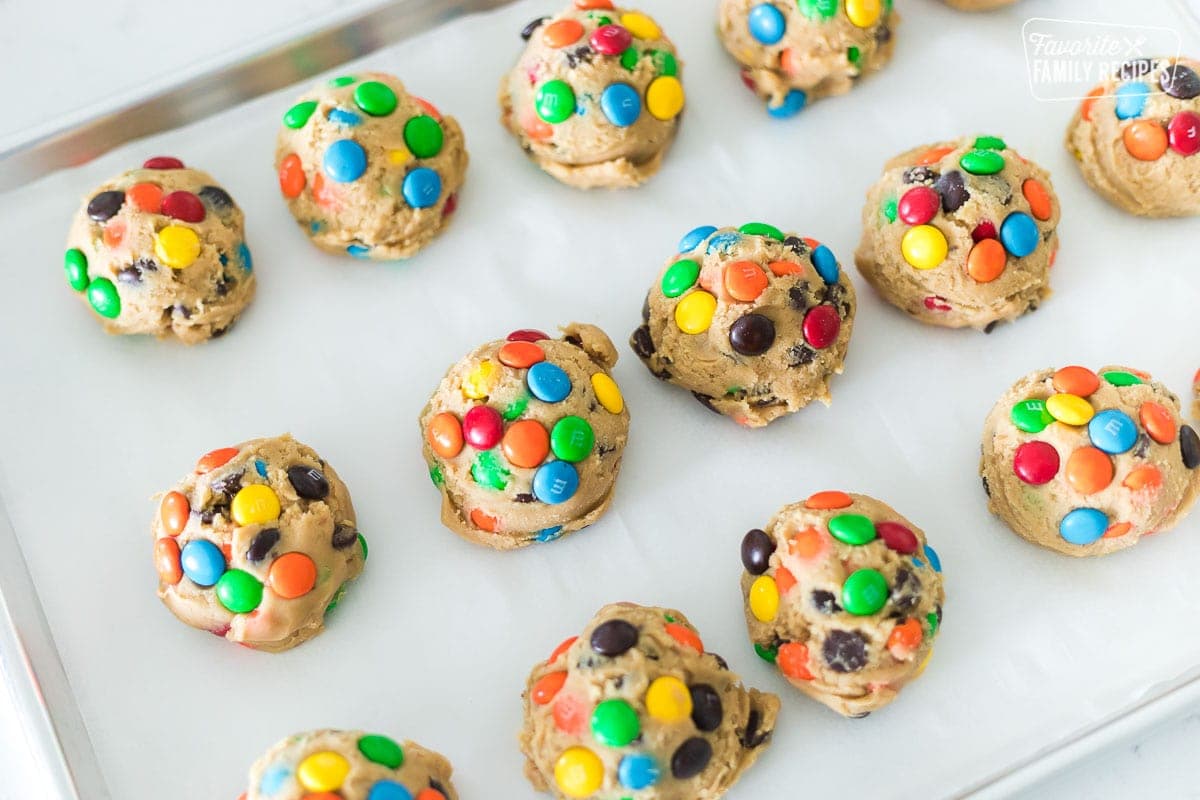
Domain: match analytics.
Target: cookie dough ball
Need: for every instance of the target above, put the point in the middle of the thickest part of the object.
(161, 250)
(1137, 135)
(524, 437)
(961, 233)
(795, 52)
(845, 597)
(752, 321)
(257, 544)
(350, 765)
(978, 5)
(595, 98)
(635, 707)
(1086, 463)
(368, 169)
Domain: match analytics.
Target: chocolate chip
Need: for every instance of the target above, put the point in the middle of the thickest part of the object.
(833, 293)
(920, 175)
(825, 602)
(991, 326)
(721, 662)
(883, 34)
(862, 715)
(690, 758)
(1142, 446)
(580, 55)
(437, 787)
(228, 485)
(180, 310)
(131, 275)
(986, 489)
(222, 287)
(953, 190)
(1135, 68)
(796, 245)
(216, 198)
(642, 343)
(906, 589)
(938, 612)
(261, 546)
(1180, 81)
(1189, 446)
(105, 205)
(752, 737)
(646, 308)
(344, 536)
(845, 651)
(800, 354)
(706, 400)
(209, 514)
(309, 482)
(524, 497)
(752, 334)
(528, 30)
(706, 707)
(614, 637)
(798, 296)
(757, 548)
(663, 374)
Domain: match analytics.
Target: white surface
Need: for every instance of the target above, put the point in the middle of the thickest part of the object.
(118, 419)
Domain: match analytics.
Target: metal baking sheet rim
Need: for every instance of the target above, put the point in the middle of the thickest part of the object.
(29, 660)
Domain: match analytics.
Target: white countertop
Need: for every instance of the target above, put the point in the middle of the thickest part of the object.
(110, 53)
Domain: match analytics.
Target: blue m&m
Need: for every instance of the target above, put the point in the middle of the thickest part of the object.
(826, 263)
(1131, 100)
(637, 771)
(548, 382)
(793, 103)
(766, 23)
(345, 161)
(555, 482)
(622, 105)
(202, 562)
(1083, 526)
(695, 237)
(422, 187)
(1113, 431)
(1019, 234)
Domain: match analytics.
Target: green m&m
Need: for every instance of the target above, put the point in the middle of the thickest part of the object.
(297, 115)
(762, 229)
(344, 80)
(615, 723)
(818, 9)
(423, 135)
(1119, 378)
(852, 529)
(239, 591)
(381, 750)
(982, 162)
(990, 143)
(768, 654)
(680, 277)
(864, 592)
(555, 101)
(1031, 415)
(75, 263)
(102, 295)
(572, 439)
(375, 98)
(488, 471)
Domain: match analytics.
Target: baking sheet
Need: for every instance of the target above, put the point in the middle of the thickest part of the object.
(435, 640)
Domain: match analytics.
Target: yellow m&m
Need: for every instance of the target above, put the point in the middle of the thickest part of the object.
(924, 247)
(863, 13)
(480, 382)
(254, 505)
(1070, 409)
(323, 772)
(177, 246)
(664, 97)
(640, 25)
(578, 772)
(608, 393)
(695, 312)
(764, 598)
(668, 699)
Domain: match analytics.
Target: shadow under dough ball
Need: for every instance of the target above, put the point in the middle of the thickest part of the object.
(524, 437)
(367, 169)
(961, 233)
(752, 321)
(595, 99)
(257, 544)
(635, 706)
(844, 596)
(349, 765)
(1087, 463)
(795, 52)
(161, 250)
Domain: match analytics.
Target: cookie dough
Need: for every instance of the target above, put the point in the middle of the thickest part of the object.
(634, 707)
(161, 250)
(978, 5)
(961, 233)
(257, 544)
(845, 597)
(1085, 463)
(595, 99)
(793, 53)
(752, 321)
(1137, 135)
(349, 765)
(524, 437)
(368, 169)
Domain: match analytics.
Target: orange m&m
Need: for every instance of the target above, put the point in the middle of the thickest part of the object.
(1079, 381)
(526, 443)
(291, 176)
(828, 500)
(174, 512)
(1145, 140)
(1089, 470)
(547, 687)
(215, 458)
(745, 281)
(1158, 422)
(445, 435)
(685, 636)
(793, 661)
(293, 575)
